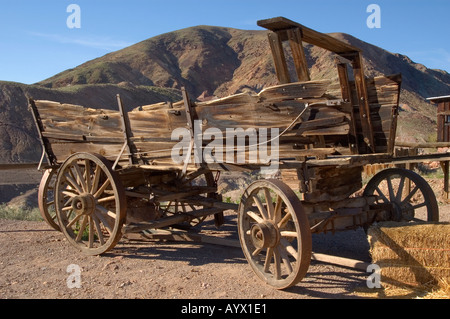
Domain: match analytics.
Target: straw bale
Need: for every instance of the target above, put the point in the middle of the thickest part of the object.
(414, 254)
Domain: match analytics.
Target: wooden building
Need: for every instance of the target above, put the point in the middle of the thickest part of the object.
(443, 117)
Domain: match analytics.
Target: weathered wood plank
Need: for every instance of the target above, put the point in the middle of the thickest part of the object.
(298, 54)
(302, 90)
(279, 58)
(308, 35)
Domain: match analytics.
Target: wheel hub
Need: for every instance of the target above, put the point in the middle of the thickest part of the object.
(264, 235)
(83, 204)
(399, 213)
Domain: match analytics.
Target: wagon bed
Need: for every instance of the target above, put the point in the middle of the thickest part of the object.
(110, 172)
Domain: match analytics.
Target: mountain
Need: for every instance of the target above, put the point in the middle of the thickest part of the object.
(208, 61)
(224, 61)
(203, 58)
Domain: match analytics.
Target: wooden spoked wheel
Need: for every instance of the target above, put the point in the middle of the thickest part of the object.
(411, 197)
(90, 203)
(46, 198)
(274, 233)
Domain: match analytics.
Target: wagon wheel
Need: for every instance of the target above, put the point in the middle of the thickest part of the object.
(180, 206)
(46, 198)
(90, 203)
(411, 197)
(274, 233)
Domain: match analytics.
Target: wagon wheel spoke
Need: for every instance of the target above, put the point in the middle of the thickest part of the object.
(285, 259)
(96, 179)
(90, 203)
(80, 179)
(277, 264)
(410, 196)
(73, 183)
(401, 185)
(269, 205)
(268, 259)
(274, 233)
(261, 208)
(381, 194)
(255, 217)
(390, 188)
(277, 209)
(73, 221)
(98, 229)
(284, 220)
(289, 248)
(87, 175)
(82, 228)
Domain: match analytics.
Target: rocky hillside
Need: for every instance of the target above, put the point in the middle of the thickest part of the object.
(207, 61)
(224, 61)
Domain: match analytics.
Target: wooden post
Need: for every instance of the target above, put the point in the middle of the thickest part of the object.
(347, 97)
(127, 134)
(279, 58)
(446, 169)
(298, 54)
(363, 102)
(47, 149)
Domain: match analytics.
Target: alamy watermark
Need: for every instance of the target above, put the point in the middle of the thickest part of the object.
(374, 19)
(74, 19)
(374, 279)
(74, 279)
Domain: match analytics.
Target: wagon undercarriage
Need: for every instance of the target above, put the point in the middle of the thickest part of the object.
(113, 173)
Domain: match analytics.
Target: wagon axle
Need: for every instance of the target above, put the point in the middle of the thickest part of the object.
(265, 235)
(84, 204)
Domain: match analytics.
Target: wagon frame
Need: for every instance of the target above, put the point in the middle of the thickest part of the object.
(92, 197)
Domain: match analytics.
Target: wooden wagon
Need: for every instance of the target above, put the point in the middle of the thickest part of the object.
(111, 173)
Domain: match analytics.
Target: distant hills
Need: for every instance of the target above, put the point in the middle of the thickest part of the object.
(208, 61)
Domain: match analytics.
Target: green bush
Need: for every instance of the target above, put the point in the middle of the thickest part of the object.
(19, 213)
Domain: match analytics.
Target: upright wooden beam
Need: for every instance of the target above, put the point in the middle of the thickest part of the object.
(46, 146)
(298, 54)
(394, 117)
(127, 133)
(446, 169)
(347, 97)
(279, 58)
(363, 102)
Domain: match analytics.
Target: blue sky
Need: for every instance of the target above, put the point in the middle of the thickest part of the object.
(36, 43)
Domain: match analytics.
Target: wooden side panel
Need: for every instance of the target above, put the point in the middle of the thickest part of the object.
(383, 97)
(320, 130)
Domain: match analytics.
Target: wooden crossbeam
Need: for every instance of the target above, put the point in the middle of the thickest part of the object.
(308, 35)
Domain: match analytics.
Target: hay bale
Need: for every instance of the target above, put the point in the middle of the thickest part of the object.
(414, 254)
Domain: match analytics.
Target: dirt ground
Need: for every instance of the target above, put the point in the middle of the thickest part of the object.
(36, 262)
(35, 259)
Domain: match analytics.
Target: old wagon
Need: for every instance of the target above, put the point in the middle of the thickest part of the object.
(110, 173)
